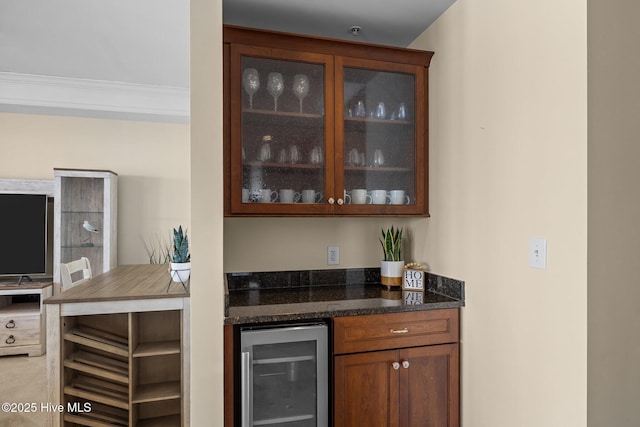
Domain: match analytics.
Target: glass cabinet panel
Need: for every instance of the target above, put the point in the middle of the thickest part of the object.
(282, 129)
(379, 137)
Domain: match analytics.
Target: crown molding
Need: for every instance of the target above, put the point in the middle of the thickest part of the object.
(30, 93)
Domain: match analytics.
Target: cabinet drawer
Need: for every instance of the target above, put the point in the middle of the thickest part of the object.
(16, 338)
(354, 334)
(9, 323)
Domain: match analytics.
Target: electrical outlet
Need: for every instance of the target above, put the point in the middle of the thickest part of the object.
(333, 255)
(538, 253)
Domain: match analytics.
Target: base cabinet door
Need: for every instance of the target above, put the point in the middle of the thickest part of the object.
(409, 387)
(366, 389)
(429, 386)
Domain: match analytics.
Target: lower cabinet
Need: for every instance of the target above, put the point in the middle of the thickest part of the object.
(387, 381)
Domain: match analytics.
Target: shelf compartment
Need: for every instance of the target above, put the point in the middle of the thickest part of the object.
(157, 391)
(21, 309)
(283, 360)
(99, 340)
(100, 416)
(166, 421)
(98, 390)
(100, 366)
(158, 348)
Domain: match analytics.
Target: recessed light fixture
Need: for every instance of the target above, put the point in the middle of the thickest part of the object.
(355, 30)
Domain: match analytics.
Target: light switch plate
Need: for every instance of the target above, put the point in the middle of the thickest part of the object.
(333, 255)
(538, 253)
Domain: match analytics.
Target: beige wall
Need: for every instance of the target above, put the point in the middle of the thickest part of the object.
(151, 160)
(207, 392)
(508, 152)
(614, 209)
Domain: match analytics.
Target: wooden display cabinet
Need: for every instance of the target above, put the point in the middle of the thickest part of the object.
(85, 195)
(399, 369)
(359, 122)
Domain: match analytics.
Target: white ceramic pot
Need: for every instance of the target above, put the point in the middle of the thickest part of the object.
(180, 271)
(391, 273)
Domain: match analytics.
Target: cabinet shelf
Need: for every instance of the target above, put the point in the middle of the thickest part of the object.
(81, 246)
(157, 391)
(99, 340)
(100, 416)
(282, 420)
(158, 348)
(301, 166)
(356, 121)
(21, 309)
(166, 421)
(100, 366)
(83, 212)
(99, 391)
(282, 114)
(381, 169)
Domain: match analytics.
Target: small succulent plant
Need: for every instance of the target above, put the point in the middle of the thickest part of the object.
(391, 242)
(180, 246)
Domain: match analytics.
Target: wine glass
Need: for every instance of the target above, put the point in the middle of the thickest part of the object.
(250, 83)
(300, 87)
(275, 87)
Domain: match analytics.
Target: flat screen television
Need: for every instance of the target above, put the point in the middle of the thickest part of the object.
(23, 227)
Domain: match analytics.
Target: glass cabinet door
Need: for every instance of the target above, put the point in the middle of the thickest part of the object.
(382, 123)
(281, 154)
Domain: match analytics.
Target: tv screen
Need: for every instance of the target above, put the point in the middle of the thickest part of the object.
(23, 227)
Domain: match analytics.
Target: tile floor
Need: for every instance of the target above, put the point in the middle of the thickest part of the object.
(23, 380)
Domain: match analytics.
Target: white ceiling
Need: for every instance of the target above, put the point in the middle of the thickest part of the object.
(145, 43)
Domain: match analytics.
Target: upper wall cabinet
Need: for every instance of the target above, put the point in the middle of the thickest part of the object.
(323, 127)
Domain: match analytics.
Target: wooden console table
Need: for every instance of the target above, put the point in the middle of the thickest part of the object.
(120, 342)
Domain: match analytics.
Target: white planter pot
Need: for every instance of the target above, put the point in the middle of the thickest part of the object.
(180, 271)
(391, 273)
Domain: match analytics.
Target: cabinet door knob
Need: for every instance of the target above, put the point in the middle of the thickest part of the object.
(10, 324)
(331, 200)
(405, 364)
(340, 202)
(10, 340)
(395, 365)
(399, 331)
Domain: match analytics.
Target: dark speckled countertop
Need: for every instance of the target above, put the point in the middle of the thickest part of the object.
(295, 295)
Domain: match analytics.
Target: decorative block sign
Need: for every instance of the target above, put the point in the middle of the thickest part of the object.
(413, 279)
(412, 297)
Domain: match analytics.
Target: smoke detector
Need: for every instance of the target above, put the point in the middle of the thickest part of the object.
(355, 30)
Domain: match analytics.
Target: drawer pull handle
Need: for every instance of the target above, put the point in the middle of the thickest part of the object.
(10, 340)
(10, 324)
(395, 365)
(399, 331)
(405, 364)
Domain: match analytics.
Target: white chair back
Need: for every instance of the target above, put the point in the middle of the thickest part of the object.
(69, 269)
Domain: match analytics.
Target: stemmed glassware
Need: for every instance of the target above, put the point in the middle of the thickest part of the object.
(300, 87)
(275, 87)
(250, 83)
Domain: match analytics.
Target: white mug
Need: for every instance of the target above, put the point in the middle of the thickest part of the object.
(268, 196)
(245, 195)
(347, 197)
(287, 195)
(379, 197)
(398, 197)
(311, 196)
(359, 196)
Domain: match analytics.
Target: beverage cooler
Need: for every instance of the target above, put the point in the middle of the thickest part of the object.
(284, 375)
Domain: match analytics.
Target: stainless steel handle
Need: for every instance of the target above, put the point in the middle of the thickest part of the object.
(340, 202)
(399, 331)
(395, 365)
(405, 364)
(10, 324)
(245, 378)
(331, 200)
(10, 340)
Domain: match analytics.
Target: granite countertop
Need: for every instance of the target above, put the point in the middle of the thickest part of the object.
(311, 294)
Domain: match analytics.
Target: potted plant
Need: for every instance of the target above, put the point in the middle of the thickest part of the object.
(181, 258)
(392, 266)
